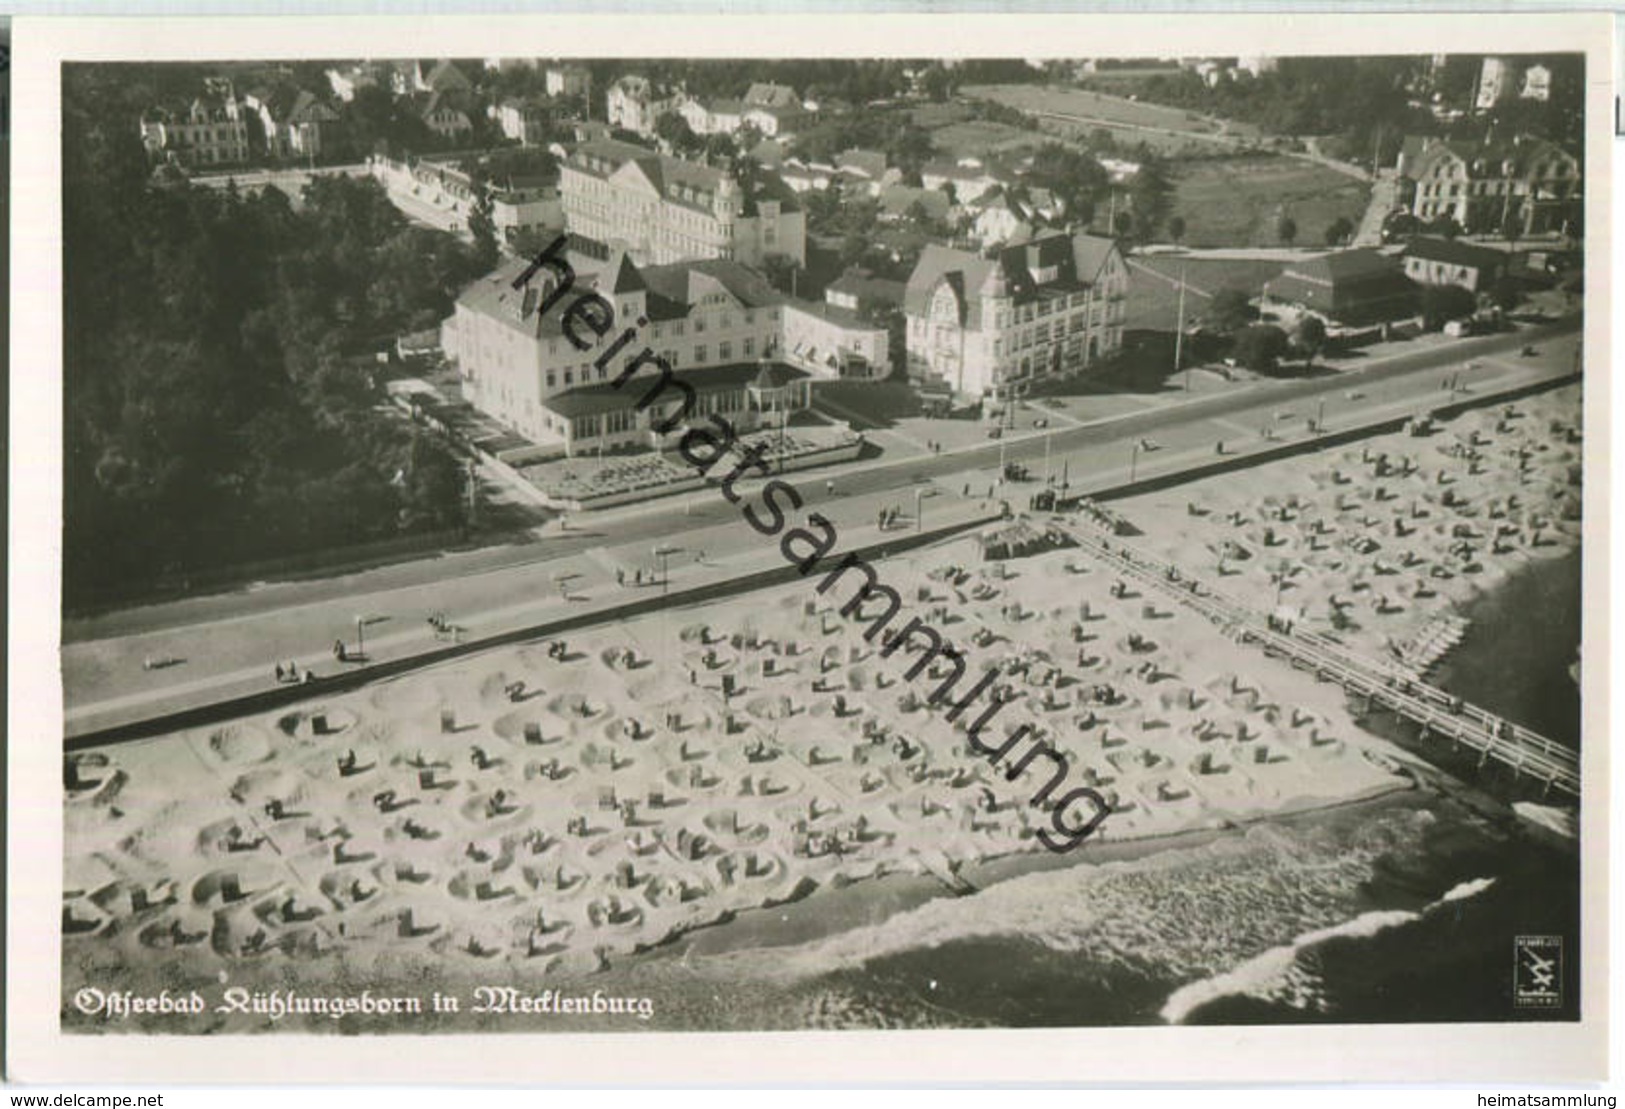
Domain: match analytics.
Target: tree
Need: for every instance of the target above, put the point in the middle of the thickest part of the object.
(1260, 347)
(1286, 229)
(1176, 229)
(1075, 179)
(1443, 303)
(1150, 196)
(1339, 232)
(483, 228)
(1309, 337)
(1230, 310)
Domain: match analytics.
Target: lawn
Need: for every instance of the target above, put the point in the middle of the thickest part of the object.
(1092, 106)
(1239, 201)
(1153, 301)
(979, 138)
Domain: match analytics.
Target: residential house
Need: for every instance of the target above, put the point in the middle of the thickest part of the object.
(520, 208)
(212, 130)
(346, 81)
(899, 202)
(444, 118)
(997, 216)
(987, 325)
(776, 122)
(806, 176)
(1435, 261)
(863, 171)
(1484, 185)
(765, 94)
(1537, 84)
(568, 80)
(968, 178)
(636, 104)
(664, 209)
(294, 123)
(831, 340)
(720, 117)
(443, 77)
(1346, 287)
(524, 121)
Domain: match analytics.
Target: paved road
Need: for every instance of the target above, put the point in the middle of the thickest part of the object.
(1094, 455)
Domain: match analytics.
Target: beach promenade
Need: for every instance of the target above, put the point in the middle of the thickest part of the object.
(140, 665)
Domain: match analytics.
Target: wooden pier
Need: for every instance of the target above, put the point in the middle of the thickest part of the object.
(1380, 683)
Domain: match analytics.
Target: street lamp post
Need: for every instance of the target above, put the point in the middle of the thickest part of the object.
(1133, 461)
(919, 510)
(361, 635)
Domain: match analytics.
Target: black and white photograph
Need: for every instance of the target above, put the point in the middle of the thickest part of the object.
(564, 540)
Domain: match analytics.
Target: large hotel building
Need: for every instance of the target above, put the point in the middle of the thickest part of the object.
(987, 325)
(749, 352)
(661, 209)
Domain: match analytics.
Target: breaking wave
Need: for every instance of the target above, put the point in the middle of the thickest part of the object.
(1282, 975)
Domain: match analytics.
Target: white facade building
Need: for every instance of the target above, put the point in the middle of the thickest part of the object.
(987, 325)
(662, 209)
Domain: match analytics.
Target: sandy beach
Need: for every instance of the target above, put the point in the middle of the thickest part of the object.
(1383, 543)
(548, 810)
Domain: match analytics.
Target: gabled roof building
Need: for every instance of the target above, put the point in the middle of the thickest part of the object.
(662, 209)
(988, 325)
(1348, 287)
(714, 322)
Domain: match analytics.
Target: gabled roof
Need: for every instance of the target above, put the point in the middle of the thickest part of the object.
(1341, 267)
(1010, 270)
(765, 94)
(898, 199)
(669, 176)
(674, 289)
(446, 76)
(1521, 152)
(1455, 253)
(867, 287)
(872, 163)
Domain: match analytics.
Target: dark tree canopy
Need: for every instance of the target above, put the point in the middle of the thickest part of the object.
(1229, 310)
(1443, 303)
(217, 370)
(1260, 347)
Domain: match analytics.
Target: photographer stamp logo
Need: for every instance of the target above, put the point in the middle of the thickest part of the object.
(1537, 972)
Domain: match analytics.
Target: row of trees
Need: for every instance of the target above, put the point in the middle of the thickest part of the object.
(214, 408)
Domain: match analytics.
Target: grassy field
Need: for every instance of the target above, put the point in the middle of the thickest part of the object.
(1091, 105)
(1153, 301)
(1239, 201)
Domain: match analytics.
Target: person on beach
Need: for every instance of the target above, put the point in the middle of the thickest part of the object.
(281, 676)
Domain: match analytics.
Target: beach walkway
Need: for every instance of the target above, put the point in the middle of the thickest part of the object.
(1380, 683)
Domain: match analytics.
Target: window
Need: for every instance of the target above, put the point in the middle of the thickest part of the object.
(569, 377)
(699, 324)
(677, 327)
(551, 379)
(750, 346)
(699, 353)
(725, 350)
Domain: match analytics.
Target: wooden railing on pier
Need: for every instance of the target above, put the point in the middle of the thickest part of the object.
(1380, 682)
